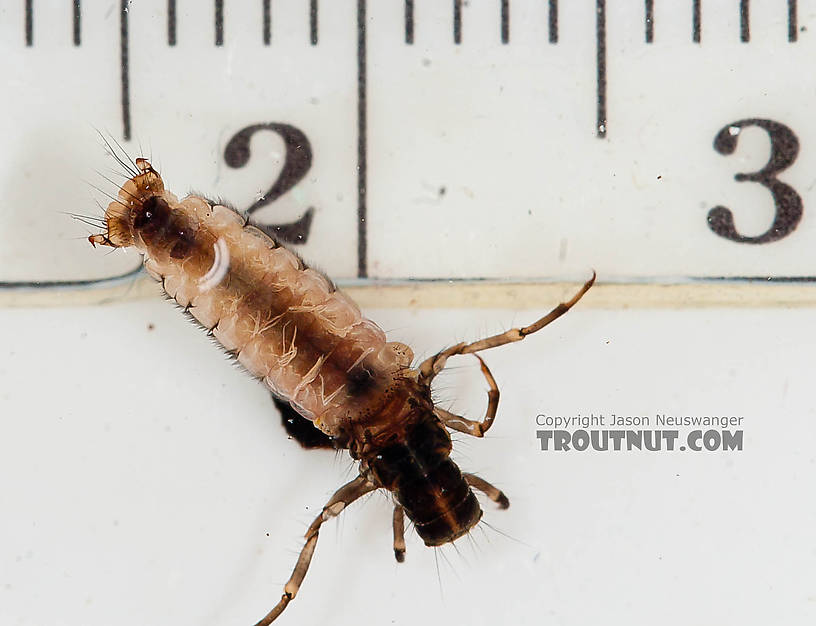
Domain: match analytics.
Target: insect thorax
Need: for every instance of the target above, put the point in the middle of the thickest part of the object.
(430, 487)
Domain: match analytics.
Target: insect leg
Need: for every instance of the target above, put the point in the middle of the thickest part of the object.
(399, 533)
(495, 494)
(472, 427)
(344, 496)
(432, 366)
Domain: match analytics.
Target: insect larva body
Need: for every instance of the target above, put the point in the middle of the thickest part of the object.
(284, 322)
(290, 327)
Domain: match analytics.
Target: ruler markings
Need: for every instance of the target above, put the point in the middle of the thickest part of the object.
(600, 63)
(362, 147)
(409, 22)
(219, 22)
(77, 22)
(457, 21)
(601, 122)
(171, 22)
(505, 21)
(267, 22)
(29, 22)
(124, 62)
(601, 87)
(313, 21)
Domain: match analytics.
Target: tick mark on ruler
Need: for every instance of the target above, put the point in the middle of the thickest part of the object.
(77, 25)
(219, 22)
(409, 21)
(649, 21)
(745, 28)
(171, 22)
(267, 22)
(29, 22)
(313, 21)
(505, 21)
(125, 68)
(457, 21)
(553, 19)
(362, 147)
(600, 61)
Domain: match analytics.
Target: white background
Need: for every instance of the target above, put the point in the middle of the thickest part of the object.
(140, 474)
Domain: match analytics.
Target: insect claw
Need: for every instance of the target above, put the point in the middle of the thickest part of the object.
(102, 240)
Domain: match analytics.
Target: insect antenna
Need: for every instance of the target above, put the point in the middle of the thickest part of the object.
(89, 220)
(120, 188)
(149, 153)
(129, 164)
(104, 193)
(98, 219)
(113, 172)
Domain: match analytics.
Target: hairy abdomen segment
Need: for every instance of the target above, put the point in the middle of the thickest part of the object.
(284, 322)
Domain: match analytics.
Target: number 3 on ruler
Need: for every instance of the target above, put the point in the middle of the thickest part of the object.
(788, 204)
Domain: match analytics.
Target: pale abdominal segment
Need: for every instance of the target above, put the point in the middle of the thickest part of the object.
(290, 327)
(284, 322)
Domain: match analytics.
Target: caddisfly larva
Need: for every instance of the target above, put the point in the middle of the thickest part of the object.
(289, 326)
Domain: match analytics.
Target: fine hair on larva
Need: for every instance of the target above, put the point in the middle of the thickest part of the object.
(335, 377)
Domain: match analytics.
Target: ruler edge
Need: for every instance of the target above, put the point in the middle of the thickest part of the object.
(480, 294)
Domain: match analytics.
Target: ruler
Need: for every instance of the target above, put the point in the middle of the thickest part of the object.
(521, 141)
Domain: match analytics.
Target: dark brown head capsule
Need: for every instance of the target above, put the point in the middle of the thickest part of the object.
(427, 484)
(151, 218)
(143, 216)
(160, 228)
